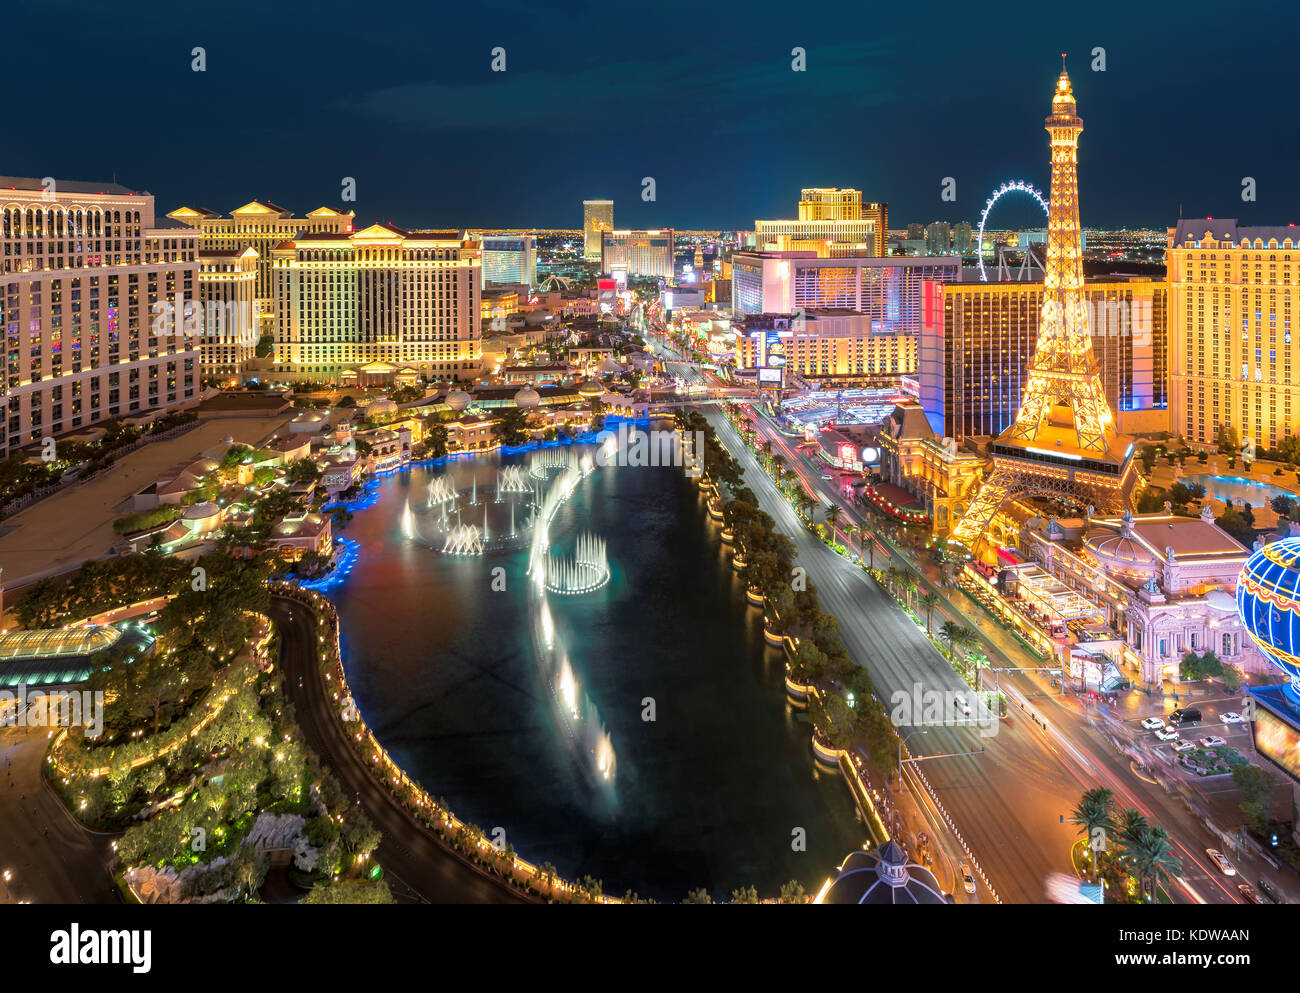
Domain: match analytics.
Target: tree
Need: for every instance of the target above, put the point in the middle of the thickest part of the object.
(833, 514)
(1234, 523)
(793, 892)
(929, 600)
(1094, 812)
(1150, 854)
(746, 894)
(698, 896)
(511, 426)
(350, 891)
(348, 401)
(435, 438)
(302, 471)
(1257, 788)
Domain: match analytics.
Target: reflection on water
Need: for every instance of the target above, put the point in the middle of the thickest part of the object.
(709, 773)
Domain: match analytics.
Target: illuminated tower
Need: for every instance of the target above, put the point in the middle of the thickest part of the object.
(1063, 441)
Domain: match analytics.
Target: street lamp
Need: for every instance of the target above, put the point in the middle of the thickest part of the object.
(901, 742)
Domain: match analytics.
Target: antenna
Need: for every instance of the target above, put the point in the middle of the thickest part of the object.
(1062, 62)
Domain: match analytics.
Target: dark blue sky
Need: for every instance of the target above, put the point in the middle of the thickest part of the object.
(700, 96)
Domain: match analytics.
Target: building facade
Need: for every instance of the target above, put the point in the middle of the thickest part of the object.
(977, 339)
(379, 306)
(230, 328)
(887, 290)
(1234, 356)
(260, 226)
(87, 280)
(597, 218)
(638, 253)
(834, 344)
(832, 222)
(509, 259)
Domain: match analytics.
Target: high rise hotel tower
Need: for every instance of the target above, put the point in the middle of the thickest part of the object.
(1234, 347)
(85, 273)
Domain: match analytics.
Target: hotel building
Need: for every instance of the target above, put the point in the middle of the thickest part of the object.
(977, 339)
(85, 276)
(638, 253)
(1234, 358)
(832, 222)
(379, 306)
(597, 218)
(229, 331)
(887, 290)
(509, 259)
(260, 226)
(834, 344)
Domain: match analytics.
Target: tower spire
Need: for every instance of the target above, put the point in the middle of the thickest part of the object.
(1063, 440)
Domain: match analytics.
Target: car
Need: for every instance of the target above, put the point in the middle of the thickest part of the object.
(1232, 717)
(1249, 893)
(1185, 715)
(1153, 723)
(967, 880)
(1221, 860)
(1167, 734)
(1181, 746)
(827, 475)
(962, 705)
(1212, 741)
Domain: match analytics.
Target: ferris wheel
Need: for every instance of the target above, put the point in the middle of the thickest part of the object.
(1014, 186)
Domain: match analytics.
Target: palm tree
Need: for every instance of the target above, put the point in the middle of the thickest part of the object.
(849, 531)
(778, 467)
(833, 515)
(1152, 852)
(893, 575)
(1130, 826)
(1094, 812)
(766, 449)
(929, 601)
(948, 632)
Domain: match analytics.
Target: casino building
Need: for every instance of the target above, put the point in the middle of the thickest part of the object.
(376, 307)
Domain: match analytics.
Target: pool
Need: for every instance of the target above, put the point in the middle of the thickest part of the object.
(1239, 489)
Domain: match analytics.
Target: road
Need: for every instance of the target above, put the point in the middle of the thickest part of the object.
(1009, 800)
(417, 867)
(1071, 753)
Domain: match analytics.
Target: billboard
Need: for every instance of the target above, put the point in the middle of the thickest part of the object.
(608, 295)
(772, 376)
(1278, 741)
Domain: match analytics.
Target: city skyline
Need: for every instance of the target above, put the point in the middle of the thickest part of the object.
(904, 107)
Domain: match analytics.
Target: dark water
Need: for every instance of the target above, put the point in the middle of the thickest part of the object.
(708, 794)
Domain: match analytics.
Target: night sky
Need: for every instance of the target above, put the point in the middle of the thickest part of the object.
(595, 96)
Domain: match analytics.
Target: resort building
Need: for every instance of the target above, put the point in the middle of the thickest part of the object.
(832, 222)
(831, 344)
(941, 476)
(887, 290)
(229, 329)
(88, 284)
(261, 227)
(638, 253)
(1142, 590)
(377, 307)
(1234, 355)
(977, 340)
(509, 259)
(597, 218)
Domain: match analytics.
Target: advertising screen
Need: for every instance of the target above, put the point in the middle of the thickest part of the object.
(769, 376)
(1277, 741)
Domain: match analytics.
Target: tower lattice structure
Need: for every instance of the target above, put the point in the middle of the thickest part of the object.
(1063, 441)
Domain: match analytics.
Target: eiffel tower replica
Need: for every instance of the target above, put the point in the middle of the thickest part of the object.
(1063, 441)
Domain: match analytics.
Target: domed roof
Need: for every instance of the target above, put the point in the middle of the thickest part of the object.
(527, 397)
(1268, 602)
(591, 388)
(200, 511)
(383, 405)
(883, 877)
(1118, 548)
(457, 399)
